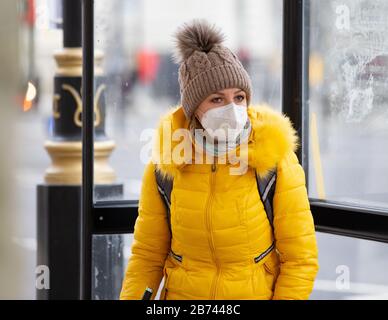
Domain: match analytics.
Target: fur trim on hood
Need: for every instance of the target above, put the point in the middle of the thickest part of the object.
(272, 138)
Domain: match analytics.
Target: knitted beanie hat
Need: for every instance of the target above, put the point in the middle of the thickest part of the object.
(206, 66)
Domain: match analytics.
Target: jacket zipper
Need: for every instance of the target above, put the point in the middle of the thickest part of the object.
(265, 253)
(209, 226)
(176, 256)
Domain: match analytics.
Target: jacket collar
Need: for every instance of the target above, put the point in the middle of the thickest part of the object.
(272, 137)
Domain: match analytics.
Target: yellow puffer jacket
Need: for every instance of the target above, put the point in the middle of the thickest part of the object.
(222, 242)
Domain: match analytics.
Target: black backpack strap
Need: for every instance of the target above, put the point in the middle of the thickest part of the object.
(165, 188)
(266, 187)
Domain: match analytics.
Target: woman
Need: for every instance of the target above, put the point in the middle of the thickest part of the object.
(215, 239)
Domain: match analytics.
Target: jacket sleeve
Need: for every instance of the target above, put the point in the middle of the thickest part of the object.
(151, 242)
(294, 233)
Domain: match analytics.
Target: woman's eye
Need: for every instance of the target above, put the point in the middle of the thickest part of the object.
(216, 100)
(240, 98)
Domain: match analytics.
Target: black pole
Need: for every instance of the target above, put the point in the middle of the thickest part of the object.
(306, 90)
(292, 98)
(87, 150)
(72, 35)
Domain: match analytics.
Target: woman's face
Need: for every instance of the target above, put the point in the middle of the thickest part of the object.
(220, 99)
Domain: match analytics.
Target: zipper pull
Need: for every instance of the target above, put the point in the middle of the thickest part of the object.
(214, 167)
(147, 294)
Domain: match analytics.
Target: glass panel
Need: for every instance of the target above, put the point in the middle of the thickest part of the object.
(348, 93)
(141, 80)
(110, 258)
(108, 265)
(350, 269)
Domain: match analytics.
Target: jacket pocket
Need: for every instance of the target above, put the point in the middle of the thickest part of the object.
(266, 272)
(168, 270)
(270, 277)
(168, 275)
(272, 270)
(262, 255)
(163, 294)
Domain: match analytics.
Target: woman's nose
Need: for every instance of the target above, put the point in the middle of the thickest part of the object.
(229, 100)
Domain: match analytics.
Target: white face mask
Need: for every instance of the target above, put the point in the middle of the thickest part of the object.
(225, 123)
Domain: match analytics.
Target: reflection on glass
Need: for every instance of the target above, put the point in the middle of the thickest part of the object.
(348, 95)
(142, 79)
(355, 270)
(108, 265)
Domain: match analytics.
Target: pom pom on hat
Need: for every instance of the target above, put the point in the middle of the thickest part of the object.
(199, 35)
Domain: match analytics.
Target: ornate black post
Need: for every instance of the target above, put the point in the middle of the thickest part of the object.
(59, 198)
